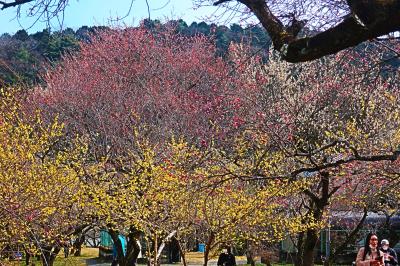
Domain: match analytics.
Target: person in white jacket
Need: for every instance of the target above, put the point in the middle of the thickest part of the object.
(370, 255)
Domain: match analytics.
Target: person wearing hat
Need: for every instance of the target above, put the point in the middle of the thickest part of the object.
(389, 254)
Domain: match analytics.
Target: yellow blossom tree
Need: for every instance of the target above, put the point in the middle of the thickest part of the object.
(40, 191)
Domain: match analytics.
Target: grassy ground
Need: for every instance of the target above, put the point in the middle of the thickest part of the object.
(87, 253)
(193, 258)
(198, 258)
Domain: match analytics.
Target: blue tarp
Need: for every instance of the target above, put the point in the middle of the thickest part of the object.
(123, 243)
(202, 247)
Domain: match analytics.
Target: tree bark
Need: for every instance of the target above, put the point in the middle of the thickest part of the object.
(156, 262)
(80, 232)
(49, 254)
(78, 244)
(309, 247)
(27, 258)
(309, 240)
(249, 254)
(132, 247)
(182, 251)
(163, 242)
(300, 243)
(369, 19)
(13, 4)
(208, 247)
(148, 252)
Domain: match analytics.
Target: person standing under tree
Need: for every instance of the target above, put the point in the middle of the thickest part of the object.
(370, 255)
(226, 258)
(66, 246)
(389, 254)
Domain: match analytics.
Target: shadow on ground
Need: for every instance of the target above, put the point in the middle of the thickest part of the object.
(97, 262)
(104, 262)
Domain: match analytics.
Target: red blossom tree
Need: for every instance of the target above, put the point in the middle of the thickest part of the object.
(131, 84)
(173, 84)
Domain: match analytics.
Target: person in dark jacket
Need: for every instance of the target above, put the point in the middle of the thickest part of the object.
(226, 258)
(390, 255)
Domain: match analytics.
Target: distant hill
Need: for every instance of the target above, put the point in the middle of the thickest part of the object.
(24, 56)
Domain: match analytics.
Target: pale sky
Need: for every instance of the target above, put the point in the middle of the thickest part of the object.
(99, 12)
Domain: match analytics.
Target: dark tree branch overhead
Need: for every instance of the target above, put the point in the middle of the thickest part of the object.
(368, 20)
(5, 5)
(356, 157)
(40, 9)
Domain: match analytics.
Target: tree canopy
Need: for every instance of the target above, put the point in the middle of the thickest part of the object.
(160, 131)
(24, 57)
(306, 30)
(300, 30)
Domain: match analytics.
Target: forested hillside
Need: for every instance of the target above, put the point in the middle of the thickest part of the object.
(23, 56)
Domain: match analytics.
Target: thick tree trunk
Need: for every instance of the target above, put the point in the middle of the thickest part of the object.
(250, 259)
(182, 251)
(49, 254)
(77, 245)
(28, 255)
(132, 248)
(250, 254)
(300, 243)
(318, 204)
(306, 248)
(393, 236)
(27, 258)
(309, 247)
(389, 231)
(307, 243)
(369, 19)
(208, 248)
(118, 245)
(80, 233)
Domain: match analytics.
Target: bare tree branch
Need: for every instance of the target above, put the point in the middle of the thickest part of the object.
(360, 158)
(5, 5)
(351, 236)
(221, 2)
(367, 21)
